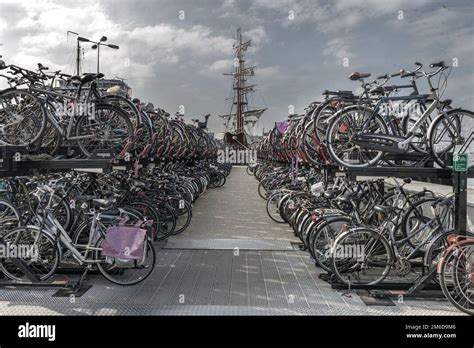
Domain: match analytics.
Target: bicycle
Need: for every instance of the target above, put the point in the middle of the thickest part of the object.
(45, 244)
(358, 136)
(456, 273)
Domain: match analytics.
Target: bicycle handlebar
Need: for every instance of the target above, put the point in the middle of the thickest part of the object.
(438, 64)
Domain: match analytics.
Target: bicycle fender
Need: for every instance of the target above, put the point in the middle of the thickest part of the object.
(8, 90)
(430, 245)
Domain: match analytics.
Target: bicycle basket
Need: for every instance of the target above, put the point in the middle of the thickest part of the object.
(124, 243)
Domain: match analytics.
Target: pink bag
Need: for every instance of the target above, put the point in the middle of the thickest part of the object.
(125, 242)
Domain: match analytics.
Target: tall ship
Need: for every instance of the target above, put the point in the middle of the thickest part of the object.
(240, 123)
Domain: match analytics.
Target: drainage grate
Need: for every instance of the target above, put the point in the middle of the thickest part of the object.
(229, 244)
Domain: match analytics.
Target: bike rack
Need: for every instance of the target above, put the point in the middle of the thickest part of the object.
(13, 163)
(459, 182)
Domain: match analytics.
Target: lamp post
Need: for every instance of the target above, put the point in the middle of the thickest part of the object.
(96, 46)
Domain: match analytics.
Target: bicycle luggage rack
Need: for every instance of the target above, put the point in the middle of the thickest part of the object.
(459, 182)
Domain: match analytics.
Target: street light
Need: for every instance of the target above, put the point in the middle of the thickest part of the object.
(96, 46)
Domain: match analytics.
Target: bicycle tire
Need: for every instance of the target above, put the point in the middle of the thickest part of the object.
(38, 114)
(35, 265)
(121, 115)
(150, 250)
(444, 283)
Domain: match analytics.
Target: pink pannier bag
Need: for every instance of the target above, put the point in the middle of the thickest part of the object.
(125, 242)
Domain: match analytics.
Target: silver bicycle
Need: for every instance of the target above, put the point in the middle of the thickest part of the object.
(44, 245)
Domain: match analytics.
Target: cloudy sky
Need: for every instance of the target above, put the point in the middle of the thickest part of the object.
(299, 47)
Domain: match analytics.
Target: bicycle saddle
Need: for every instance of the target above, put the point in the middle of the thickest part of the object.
(103, 203)
(87, 78)
(385, 210)
(330, 194)
(42, 67)
(446, 102)
(347, 198)
(338, 92)
(357, 75)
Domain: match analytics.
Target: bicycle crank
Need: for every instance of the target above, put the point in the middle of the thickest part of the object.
(403, 267)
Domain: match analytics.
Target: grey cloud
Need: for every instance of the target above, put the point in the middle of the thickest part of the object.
(174, 62)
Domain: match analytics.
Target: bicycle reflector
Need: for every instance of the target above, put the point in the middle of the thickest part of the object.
(343, 127)
(453, 238)
(343, 227)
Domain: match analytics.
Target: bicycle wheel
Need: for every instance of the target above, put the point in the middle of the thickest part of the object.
(22, 118)
(61, 209)
(108, 130)
(126, 272)
(51, 139)
(262, 192)
(311, 146)
(149, 211)
(183, 213)
(457, 277)
(167, 222)
(419, 213)
(9, 216)
(126, 105)
(343, 127)
(289, 205)
(273, 204)
(361, 256)
(451, 133)
(322, 239)
(37, 249)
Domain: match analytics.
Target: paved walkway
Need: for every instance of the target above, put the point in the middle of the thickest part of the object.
(235, 211)
(233, 260)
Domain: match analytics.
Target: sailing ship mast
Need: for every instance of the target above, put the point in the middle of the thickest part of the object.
(241, 120)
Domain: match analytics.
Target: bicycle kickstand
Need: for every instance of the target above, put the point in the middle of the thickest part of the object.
(83, 276)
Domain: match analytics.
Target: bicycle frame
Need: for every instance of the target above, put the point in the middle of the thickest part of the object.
(384, 100)
(65, 133)
(439, 220)
(53, 225)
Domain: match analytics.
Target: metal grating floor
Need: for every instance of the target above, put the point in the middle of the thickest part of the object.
(201, 273)
(228, 244)
(215, 282)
